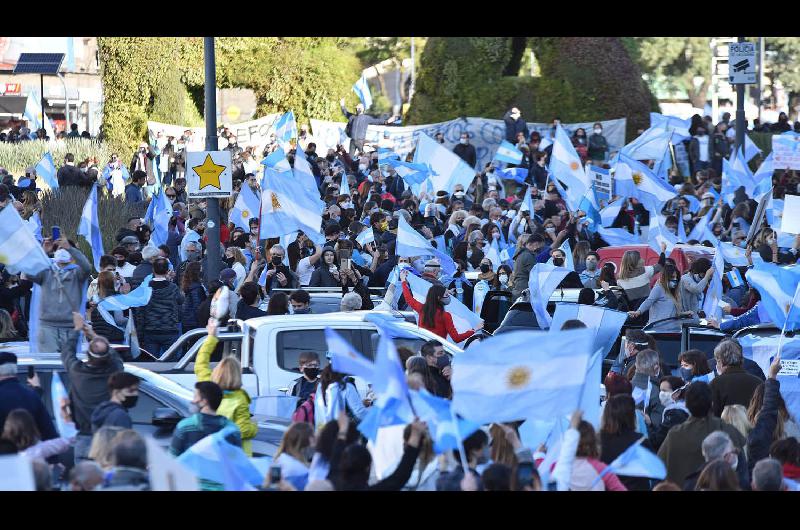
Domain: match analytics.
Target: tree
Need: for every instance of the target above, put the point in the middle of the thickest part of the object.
(677, 61)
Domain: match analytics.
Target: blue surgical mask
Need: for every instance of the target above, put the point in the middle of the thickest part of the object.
(686, 373)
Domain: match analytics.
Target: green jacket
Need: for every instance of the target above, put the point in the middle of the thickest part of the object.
(235, 403)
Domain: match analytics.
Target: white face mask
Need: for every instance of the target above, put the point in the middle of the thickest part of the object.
(362, 167)
(503, 278)
(665, 398)
(598, 130)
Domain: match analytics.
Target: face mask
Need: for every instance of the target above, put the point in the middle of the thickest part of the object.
(130, 401)
(193, 255)
(673, 284)
(742, 243)
(446, 300)
(484, 456)
(665, 398)
(687, 217)
(308, 453)
(121, 262)
(495, 235)
(229, 261)
(550, 230)
(384, 226)
(484, 268)
(598, 130)
(309, 372)
(362, 167)
(558, 262)
(277, 260)
(304, 311)
(194, 408)
(347, 205)
(686, 374)
(503, 278)
(770, 240)
(591, 265)
(463, 141)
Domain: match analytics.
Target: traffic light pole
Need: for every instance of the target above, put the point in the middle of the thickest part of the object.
(214, 260)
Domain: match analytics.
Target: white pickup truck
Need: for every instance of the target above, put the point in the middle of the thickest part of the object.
(269, 347)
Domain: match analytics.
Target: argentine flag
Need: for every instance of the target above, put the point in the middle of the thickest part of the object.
(678, 127)
(750, 149)
(361, 88)
(412, 174)
(543, 280)
(734, 255)
(503, 379)
(605, 323)
(446, 430)
(36, 118)
(778, 287)
(286, 128)
(137, 298)
(517, 174)
(568, 259)
(46, 169)
(609, 214)
(658, 234)
(286, 207)
(447, 168)
(463, 318)
(215, 459)
(735, 278)
(636, 461)
(346, 359)
(19, 250)
(245, 208)
(411, 243)
(652, 144)
(35, 226)
(699, 229)
(763, 178)
(714, 292)
(506, 152)
(89, 227)
(618, 237)
(565, 165)
(634, 179)
(277, 160)
(302, 172)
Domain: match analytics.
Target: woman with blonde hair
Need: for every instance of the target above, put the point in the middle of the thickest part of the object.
(295, 453)
(100, 450)
(8, 333)
(228, 375)
(236, 261)
(582, 249)
(454, 227)
(30, 204)
(665, 298)
(634, 276)
(736, 415)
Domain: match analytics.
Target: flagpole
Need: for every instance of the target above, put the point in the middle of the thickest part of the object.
(783, 330)
(461, 452)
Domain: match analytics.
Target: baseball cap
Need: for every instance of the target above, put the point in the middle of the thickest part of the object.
(130, 240)
(227, 275)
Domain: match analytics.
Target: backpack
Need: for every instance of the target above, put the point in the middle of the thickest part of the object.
(305, 412)
(348, 129)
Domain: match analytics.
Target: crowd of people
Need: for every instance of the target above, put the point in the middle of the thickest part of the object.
(730, 434)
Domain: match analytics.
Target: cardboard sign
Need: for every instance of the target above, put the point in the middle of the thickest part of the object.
(786, 151)
(791, 214)
(208, 174)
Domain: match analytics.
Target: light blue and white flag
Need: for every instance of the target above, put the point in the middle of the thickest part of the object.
(302, 172)
(677, 126)
(389, 378)
(650, 145)
(463, 318)
(618, 237)
(636, 461)
(700, 228)
(286, 206)
(137, 298)
(503, 379)
(735, 278)
(35, 226)
(517, 174)
(89, 227)
(411, 243)
(277, 160)
(609, 214)
(542, 281)
(750, 149)
(493, 254)
(162, 213)
(412, 174)
(605, 323)
(19, 250)
(384, 154)
(361, 88)
(215, 459)
(777, 286)
(506, 152)
(365, 236)
(246, 207)
(659, 233)
(448, 169)
(344, 189)
(346, 359)
(36, 118)
(565, 165)
(58, 395)
(763, 178)
(569, 262)
(286, 128)
(446, 430)
(46, 169)
(634, 179)
(714, 292)
(734, 255)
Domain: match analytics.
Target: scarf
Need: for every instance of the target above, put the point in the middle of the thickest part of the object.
(489, 276)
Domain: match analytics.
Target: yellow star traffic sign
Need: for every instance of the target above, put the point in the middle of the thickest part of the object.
(209, 173)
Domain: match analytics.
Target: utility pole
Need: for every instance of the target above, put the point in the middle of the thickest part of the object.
(713, 86)
(213, 219)
(739, 112)
(761, 44)
(413, 72)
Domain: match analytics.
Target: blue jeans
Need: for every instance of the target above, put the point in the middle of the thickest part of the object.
(157, 344)
(52, 339)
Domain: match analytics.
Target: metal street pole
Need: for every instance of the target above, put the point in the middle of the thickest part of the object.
(214, 259)
(713, 86)
(761, 44)
(739, 112)
(413, 72)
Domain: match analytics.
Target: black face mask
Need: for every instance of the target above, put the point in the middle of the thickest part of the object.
(311, 373)
(277, 260)
(130, 401)
(229, 261)
(330, 158)
(121, 262)
(484, 268)
(558, 262)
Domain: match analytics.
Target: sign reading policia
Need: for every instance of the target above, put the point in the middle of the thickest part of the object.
(208, 174)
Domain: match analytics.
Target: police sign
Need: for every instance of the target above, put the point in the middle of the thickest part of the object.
(742, 63)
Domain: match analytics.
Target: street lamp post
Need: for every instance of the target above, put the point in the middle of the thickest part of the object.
(212, 224)
(739, 113)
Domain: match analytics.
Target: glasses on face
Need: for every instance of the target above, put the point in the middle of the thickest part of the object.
(170, 196)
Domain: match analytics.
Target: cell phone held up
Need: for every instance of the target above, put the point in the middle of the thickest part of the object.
(56, 233)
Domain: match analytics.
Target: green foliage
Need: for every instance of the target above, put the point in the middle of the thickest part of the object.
(676, 61)
(782, 56)
(582, 79)
(63, 207)
(17, 157)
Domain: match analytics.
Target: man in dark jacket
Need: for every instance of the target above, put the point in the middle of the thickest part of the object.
(734, 386)
(207, 397)
(681, 450)
(762, 434)
(466, 151)
(13, 395)
(158, 322)
(69, 175)
(88, 385)
(719, 446)
(124, 390)
(432, 351)
(523, 264)
(145, 268)
(515, 125)
(133, 191)
(357, 125)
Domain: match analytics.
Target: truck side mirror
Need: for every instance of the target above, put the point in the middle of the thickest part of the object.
(166, 417)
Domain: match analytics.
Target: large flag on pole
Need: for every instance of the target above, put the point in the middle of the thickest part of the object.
(286, 207)
(19, 250)
(777, 286)
(46, 169)
(634, 179)
(565, 165)
(412, 243)
(447, 168)
(89, 227)
(542, 281)
(346, 359)
(361, 88)
(245, 208)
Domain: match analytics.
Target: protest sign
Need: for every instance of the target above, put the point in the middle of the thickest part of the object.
(16, 474)
(208, 174)
(166, 473)
(254, 132)
(786, 151)
(602, 183)
(485, 134)
(791, 214)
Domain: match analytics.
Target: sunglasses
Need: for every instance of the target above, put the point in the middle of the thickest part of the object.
(170, 196)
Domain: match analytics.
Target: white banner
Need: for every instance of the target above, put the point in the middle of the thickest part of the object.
(786, 151)
(485, 134)
(254, 132)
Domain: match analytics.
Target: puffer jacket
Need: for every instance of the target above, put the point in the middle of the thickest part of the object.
(763, 433)
(61, 302)
(195, 296)
(161, 314)
(235, 403)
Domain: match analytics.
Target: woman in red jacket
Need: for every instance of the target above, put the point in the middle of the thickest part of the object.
(432, 315)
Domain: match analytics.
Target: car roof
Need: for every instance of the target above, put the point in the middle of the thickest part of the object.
(338, 317)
